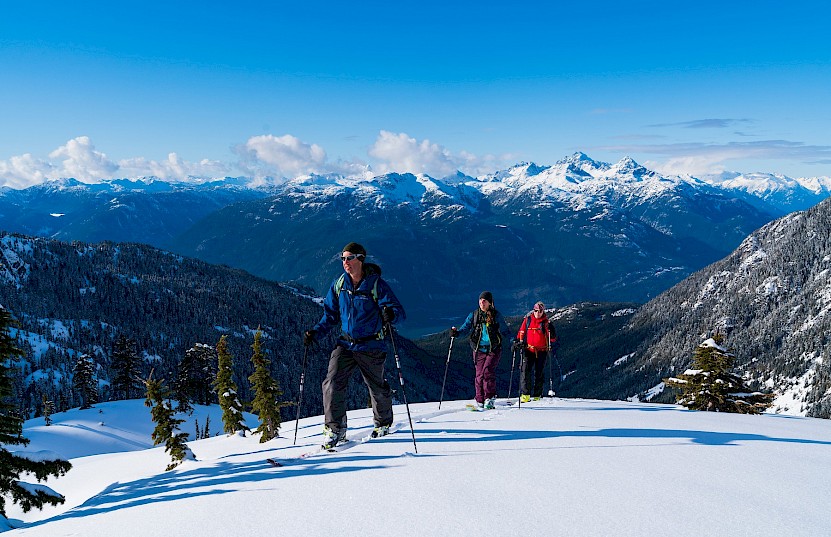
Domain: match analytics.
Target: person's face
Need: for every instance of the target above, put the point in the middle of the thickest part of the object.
(484, 304)
(538, 311)
(352, 263)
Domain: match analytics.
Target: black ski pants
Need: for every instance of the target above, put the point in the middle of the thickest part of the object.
(533, 372)
(342, 363)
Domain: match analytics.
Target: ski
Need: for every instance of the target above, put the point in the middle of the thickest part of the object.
(320, 450)
(498, 404)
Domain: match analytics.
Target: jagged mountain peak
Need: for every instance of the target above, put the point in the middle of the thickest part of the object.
(457, 178)
(581, 160)
(518, 172)
(627, 167)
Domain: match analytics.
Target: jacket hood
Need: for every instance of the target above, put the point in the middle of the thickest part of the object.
(372, 268)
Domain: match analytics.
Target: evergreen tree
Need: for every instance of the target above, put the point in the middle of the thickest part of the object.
(167, 425)
(709, 384)
(226, 389)
(48, 410)
(83, 380)
(196, 372)
(126, 369)
(266, 391)
(12, 464)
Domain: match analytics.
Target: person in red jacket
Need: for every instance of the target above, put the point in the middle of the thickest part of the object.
(535, 337)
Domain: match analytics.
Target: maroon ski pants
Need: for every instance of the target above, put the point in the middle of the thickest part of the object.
(485, 380)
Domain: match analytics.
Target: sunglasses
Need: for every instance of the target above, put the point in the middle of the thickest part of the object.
(350, 257)
(538, 310)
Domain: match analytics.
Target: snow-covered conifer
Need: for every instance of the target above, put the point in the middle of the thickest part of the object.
(48, 410)
(196, 372)
(83, 380)
(167, 425)
(39, 464)
(126, 369)
(709, 384)
(226, 389)
(266, 391)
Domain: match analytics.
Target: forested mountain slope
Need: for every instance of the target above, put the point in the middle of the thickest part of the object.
(772, 296)
(76, 298)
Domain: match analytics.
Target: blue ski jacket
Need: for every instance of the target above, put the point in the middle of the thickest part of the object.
(358, 310)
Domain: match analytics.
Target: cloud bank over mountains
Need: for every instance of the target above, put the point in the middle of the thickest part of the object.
(287, 156)
(260, 156)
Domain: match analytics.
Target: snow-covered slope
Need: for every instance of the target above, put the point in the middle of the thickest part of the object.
(771, 296)
(554, 467)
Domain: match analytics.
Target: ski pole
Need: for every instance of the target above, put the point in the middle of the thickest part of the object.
(388, 327)
(300, 396)
(446, 365)
(511, 382)
(521, 368)
(550, 367)
(560, 371)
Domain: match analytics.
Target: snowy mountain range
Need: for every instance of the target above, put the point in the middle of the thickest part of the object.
(576, 230)
(567, 467)
(145, 210)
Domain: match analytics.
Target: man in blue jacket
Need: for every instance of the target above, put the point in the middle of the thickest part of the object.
(361, 303)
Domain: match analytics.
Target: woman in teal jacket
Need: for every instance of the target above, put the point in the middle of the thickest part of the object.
(488, 330)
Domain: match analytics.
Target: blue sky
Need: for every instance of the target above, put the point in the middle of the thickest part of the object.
(96, 90)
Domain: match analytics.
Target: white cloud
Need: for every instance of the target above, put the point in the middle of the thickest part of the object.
(24, 170)
(710, 158)
(260, 157)
(283, 155)
(695, 166)
(83, 162)
(401, 153)
(78, 158)
(174, 168)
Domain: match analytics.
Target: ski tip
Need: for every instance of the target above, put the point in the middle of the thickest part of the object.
(274, 462)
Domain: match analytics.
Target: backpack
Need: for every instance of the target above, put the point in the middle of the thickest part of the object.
(373, 293)
(338, 287)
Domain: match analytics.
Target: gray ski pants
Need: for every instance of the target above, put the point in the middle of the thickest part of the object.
(342, 363)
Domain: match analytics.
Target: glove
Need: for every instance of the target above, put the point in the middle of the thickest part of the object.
(387, 314)
(454, 332)
(309, 337)
(516, 346)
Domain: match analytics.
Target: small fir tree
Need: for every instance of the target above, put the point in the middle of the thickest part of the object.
(48, 410)
(266, 391)
(167, 425)
(226, 389)
(126, 369)
(83, 380)
(13, 463)
(709, 384)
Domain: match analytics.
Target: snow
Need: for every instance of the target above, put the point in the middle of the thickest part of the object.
(711, 343)
(43, 455)
(553, 467)
(794, 391)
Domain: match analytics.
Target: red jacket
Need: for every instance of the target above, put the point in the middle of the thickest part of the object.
(537, 337)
